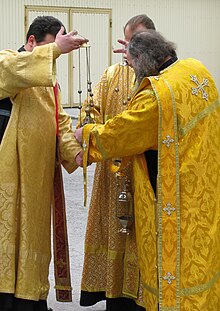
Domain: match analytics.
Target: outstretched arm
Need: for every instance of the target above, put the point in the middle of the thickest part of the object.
(129, 133)
(19, 71)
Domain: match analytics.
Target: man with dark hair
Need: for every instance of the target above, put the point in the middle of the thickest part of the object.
(175, 111)
(110, 268)
(43, 29)
(32, 104)
(42, 26)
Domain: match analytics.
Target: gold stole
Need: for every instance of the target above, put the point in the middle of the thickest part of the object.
(168, 205)
(60, 239)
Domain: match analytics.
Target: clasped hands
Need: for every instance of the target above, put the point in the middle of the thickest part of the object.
(79, 157)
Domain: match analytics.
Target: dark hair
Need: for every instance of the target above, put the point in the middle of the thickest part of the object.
(149, 50)
(141, 19)
(43, 25)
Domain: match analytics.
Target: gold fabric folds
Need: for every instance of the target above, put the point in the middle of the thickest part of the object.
(178, 231)
(27, 162)
(110, 260)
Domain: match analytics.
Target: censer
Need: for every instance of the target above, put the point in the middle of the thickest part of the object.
(124, 200)
(124, 206)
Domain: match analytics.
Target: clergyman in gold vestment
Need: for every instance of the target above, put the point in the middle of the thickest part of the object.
(176, 111)
(27, 162)
(110, 269)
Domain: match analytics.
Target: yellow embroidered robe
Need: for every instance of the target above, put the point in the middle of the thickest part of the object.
(110, 260)
(27, 161)
(178, 232)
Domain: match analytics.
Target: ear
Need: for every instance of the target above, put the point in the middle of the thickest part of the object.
(31, 43)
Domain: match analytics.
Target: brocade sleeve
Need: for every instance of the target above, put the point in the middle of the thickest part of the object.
(132, 132)
(69, 147)
(19, 71)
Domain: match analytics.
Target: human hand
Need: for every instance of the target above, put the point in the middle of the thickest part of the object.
(79, 159)
(70, 41)
(78, 135)
(121, 50)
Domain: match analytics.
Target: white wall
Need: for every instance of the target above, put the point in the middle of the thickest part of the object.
(192, 24)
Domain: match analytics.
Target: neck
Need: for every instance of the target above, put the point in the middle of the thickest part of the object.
(165, 60)
(27, 47)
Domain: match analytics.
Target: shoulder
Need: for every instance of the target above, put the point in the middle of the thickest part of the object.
(112, 70)
(5, 53)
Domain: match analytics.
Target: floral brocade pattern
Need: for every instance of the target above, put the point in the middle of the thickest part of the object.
(27, 161)
(110, 262)
(178, 236)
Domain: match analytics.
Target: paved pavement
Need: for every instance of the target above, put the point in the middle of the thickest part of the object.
(76, 221)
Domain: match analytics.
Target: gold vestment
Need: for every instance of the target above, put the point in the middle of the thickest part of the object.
(110, 259)
(178, 231)
(27, 163)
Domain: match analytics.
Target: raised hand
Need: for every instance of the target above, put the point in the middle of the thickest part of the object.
(69, 42)
(121, 50)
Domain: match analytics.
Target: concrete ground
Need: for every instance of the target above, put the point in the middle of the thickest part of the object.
(76, 221)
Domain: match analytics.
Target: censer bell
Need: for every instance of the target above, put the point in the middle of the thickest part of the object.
(125, 209)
